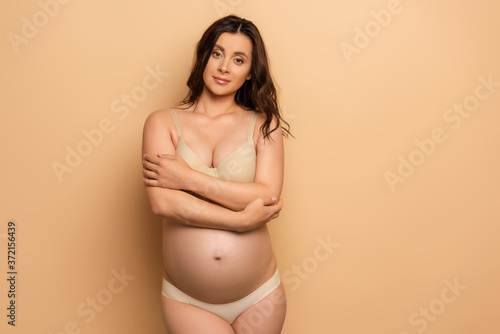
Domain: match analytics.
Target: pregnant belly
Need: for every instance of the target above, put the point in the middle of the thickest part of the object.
(216, 266)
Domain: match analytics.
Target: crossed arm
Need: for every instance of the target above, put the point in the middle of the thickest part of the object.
(235, 206)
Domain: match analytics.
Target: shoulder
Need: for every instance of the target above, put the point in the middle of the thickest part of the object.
(262, 118)
(165, 115)
(158, 118)
(161, 121)
(159, 133)
(274, 136)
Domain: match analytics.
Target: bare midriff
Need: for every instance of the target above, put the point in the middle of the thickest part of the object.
(216, 266)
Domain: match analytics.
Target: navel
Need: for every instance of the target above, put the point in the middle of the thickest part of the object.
(217, 256)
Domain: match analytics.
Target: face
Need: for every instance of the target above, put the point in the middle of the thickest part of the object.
(229, 64)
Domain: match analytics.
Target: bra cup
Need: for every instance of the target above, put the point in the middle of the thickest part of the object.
(239, 165)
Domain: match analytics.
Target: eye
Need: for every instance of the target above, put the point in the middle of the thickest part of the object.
(216, 54)
(239, 61)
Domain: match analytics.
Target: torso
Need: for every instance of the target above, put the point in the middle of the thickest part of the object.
(212, 265)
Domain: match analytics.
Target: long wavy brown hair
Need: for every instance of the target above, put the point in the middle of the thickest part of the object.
(258, 93)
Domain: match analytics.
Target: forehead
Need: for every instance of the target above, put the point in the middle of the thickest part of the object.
(235, 43)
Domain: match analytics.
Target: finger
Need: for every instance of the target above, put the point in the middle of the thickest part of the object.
(166, 156)
(151, 182)
(146, 157)
(269, 200)
(151, 159)
(279, 203)
(149, 174)
(150, 166)
(259, 201)
(276, 210)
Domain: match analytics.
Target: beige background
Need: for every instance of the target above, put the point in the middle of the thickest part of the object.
(353, 117)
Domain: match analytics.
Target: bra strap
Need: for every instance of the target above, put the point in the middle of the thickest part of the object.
(176, 122)
(252, 126)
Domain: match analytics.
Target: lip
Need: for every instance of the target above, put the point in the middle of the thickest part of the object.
(221, 81)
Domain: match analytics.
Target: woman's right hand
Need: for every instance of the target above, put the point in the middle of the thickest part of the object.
(260, 211)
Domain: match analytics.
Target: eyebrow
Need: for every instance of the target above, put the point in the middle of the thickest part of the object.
(236, 53)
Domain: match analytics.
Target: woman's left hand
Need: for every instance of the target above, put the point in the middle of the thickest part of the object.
(165, 171)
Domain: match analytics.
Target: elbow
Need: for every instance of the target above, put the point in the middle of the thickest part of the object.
(270, 191)
(158, 207)
(238, 207)
(158, 202)
(266, 192)
(276, 194)
(157, 210)
(161, 210)
(273, 194)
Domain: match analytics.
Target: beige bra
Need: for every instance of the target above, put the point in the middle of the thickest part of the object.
(239, 165)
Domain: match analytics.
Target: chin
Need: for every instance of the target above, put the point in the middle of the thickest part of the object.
(217, 91)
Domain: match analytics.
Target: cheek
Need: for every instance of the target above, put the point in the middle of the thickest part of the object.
(211, 65)
(208, 69)
(243, 73)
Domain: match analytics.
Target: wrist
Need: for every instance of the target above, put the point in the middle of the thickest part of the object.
(242, 220)
(195, 182)
(190, 181)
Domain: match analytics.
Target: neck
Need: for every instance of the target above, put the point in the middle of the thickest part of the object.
(214, 105)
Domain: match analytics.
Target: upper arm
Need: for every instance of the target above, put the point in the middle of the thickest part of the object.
(270, 159)
(157, 139)
(156, 134)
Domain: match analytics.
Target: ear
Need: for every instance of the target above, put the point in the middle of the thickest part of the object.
(249, 77)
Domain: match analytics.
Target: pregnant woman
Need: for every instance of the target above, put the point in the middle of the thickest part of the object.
(213, 169)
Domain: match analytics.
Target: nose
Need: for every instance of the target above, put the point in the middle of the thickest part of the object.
(223, 66)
